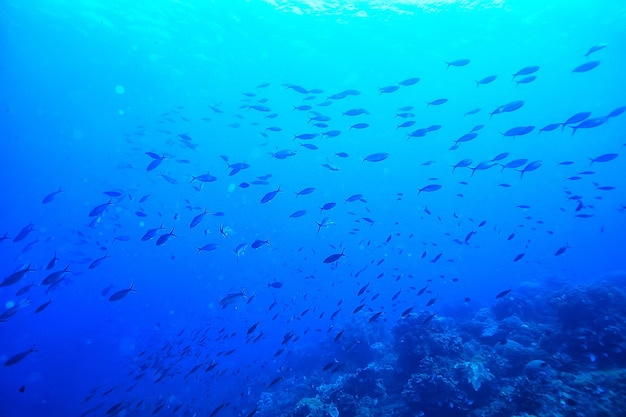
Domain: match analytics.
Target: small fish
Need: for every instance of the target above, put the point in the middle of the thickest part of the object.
(116, 296)
(270, 196)
(409, 81)
(603, 158)
(164, 237)
(560, 251)
(355, 112)
(503, 293)
(595, 48)
(333, 258)
(518, 257)
(298, 213)
(16, 276)
(260, 243)
(428, 319)
(197, 219)
(388, 89)
(376, 157)
(48, 199)
(18, 357)
(437, 102)
(486, 80)
(526, 71)
(151, 233)
(458, 63)
(429, 188)
(587, 66)
(209, 247)
(42, 307)
(52, 261)
(96, 262)
(530, 167)
(374, 317)
(98, 210)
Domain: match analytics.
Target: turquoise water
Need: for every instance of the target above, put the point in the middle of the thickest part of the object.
(123, 106)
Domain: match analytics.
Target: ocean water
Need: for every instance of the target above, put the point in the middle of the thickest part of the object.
(313, 208)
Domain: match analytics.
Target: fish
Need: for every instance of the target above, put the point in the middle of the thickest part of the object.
(462, 164)
(164, 237)
(55, 276)
(560, 251)
(431, 302)
(576, 118)
(96, 262)
(15, 277)
(437, 102)
(595, 48)
(48, 199)
(209, 247)
(429, 188)
(376, 157)
(355, 112)
(526, 71)
(42, 307)
(486, 80)
(616, 112)
(587, 66)
(23, 233)
(18, 357)
(240, 249)
(270, 196)
(526, 80)
(549, 127)
(297, 213)
(388, 89)
(516, 163)
(197, 219)
(467, 137)
(503, 293)
(409, 81)
(354, 198)
(203, 178)
(603, 158)
(531, 166)
(156, 160)
(150, 233)
(331, 133)
(328, 206)
(305, 191)
(360, 126)
(333, 258)
(98, 210)
(275, 381)
(374, 317)
(260, 243)
(518, 131)
(275, 284)
(458, 63)
(473, 111)
(116, 296)
(518, 257)
(428, 319)
(589, 124)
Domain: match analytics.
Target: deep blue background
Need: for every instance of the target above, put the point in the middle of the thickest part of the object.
(65, 125)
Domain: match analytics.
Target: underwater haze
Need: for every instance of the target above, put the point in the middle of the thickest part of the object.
(307, 208)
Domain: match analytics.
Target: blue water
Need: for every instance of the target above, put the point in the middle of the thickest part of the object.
(89, 88)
